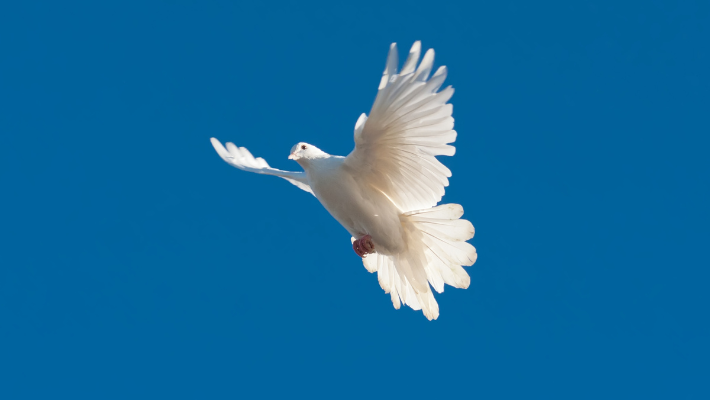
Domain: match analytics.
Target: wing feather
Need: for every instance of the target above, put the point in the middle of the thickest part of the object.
(410, 123)
(240, 157)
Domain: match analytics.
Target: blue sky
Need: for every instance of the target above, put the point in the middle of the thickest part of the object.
(134, 263)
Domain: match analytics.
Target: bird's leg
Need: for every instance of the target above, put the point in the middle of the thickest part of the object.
(356, 248)
(364, 246)
(367, 244)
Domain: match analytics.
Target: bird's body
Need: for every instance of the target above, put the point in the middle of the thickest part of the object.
(384, 193)
(356, 206)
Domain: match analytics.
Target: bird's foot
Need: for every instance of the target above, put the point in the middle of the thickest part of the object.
(364, 246)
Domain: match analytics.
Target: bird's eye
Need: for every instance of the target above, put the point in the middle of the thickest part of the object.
(303, 147)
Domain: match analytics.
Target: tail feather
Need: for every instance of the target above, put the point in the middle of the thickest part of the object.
(436, 253)
(390, 280)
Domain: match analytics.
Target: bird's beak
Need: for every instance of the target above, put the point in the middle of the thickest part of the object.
(292, 156)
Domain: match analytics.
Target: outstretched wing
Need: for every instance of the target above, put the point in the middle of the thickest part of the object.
(241, 158)
(409, 125)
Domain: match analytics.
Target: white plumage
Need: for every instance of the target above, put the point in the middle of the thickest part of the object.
(389, 185)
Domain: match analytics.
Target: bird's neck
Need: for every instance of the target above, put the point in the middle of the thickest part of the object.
(320, 163)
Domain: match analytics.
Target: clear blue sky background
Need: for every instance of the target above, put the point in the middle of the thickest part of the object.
(134, 263)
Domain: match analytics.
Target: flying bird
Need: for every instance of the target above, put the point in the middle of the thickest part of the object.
(385, 192)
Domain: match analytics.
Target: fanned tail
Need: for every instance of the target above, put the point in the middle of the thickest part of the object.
(436, 253)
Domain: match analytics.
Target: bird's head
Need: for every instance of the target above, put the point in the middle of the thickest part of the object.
(304, 151)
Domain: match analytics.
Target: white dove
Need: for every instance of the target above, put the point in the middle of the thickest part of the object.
(384, 193)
